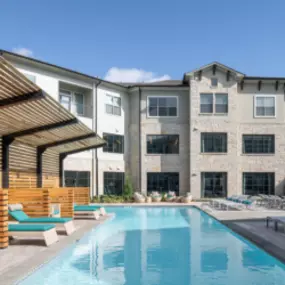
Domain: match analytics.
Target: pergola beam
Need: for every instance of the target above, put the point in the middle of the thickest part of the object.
(21, 98)
(82, 149)
(5, 161)
(43, 128)
(66, 141)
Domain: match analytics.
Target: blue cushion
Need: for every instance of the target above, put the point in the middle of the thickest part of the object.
(85, 208)
(47, 220)
(18, 215)
(29, 228)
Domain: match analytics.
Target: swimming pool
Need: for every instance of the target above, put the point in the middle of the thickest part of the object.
(160, 246)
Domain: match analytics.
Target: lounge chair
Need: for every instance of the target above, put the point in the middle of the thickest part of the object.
(47, 232)
(62, 224)
(276, 220)
(170, 196)
(92, 211)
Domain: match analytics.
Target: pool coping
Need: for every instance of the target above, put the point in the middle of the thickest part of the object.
(28, 267)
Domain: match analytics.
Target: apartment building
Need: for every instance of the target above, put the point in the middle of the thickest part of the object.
(217, 132)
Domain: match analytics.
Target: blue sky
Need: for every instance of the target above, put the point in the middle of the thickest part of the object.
(159, 38)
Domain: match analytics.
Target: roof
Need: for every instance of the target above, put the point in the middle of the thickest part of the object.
(163, 83)
(210, 65)
(31, 116)
(3, 52)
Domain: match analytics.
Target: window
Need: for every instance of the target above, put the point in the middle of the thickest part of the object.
(77, 178)
(214, 184)
(213, 142)
(72, 101)
(255, 183)
(30, 77)
(113, 105)
(213, 103)
(113, 183)
(214, 82)
(163, 144)
(264, 106)
(163, 181)
(162, 106)
(115, 143)
(65, 99)
(258, 144)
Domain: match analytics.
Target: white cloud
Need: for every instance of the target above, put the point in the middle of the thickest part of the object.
(116, 74)
(23, 51)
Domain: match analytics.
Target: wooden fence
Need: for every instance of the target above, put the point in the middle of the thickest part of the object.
(65, 197)
(4, 240)
(35, 201)
(81, 195)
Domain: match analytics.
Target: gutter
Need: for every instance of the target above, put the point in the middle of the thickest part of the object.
(140, 154)
(95, 116)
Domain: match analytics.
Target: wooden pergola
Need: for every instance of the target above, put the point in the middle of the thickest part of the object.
(31, 117)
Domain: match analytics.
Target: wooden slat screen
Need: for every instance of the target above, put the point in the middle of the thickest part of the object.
(36, 202)
(65, 197)
(4, 240)
(82, 195)
(50, 169)
(22, 166)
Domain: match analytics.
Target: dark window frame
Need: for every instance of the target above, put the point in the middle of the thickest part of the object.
(214, 106)
(110, 146)
(72, 178)
(223, 146)
(254, 144)
(255, 184)
(162, 109)
(118, 179)
(150, 149)
(160, 179)
(216, 188)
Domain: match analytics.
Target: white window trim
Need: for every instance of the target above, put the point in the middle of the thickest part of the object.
(72, 95)
(262, 95)
(214, 103)
(162, 96)
(108, 94)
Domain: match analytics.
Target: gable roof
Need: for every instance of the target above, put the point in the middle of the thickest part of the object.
(221, 66)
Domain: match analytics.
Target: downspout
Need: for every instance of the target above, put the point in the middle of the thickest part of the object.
(140, 154)
(95, 128)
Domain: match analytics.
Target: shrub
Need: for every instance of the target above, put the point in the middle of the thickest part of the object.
(128, 190)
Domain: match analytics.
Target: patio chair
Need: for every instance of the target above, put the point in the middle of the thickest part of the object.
(170, 196)
(93, 211)
(62, 224)
(47, 232)
(276, 220)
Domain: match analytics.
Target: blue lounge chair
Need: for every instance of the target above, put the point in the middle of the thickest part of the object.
(89, 210)
(62, 224)
(47, 232)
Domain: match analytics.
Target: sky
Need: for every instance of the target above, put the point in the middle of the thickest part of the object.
(132, 40)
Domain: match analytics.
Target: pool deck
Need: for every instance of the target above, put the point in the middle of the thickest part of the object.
(24, 256)
(251, 225)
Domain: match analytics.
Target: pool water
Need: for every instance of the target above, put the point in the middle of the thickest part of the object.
(160, 246)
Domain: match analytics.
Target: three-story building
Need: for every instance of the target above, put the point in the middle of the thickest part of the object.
(216, 132)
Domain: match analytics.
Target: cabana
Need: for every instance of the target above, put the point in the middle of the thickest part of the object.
(36, 135)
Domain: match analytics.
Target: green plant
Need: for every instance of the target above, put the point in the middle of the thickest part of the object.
(111, 199)
(128, 190)
(95, 199)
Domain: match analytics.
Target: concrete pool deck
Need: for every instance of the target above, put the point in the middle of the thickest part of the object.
(23, 257)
